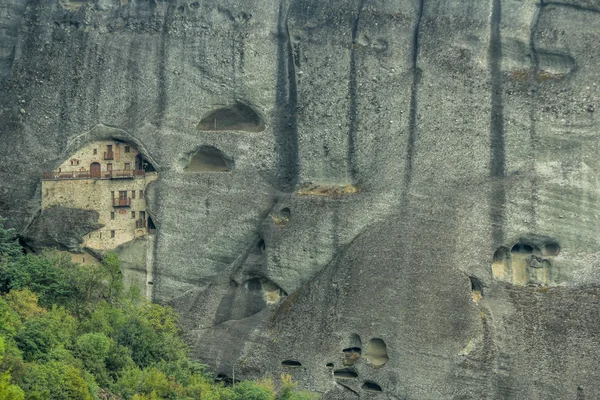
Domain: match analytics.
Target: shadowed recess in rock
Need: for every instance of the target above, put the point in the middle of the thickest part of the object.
(345, 373)
(370, 386)
(238, 117)
(291, 364)
(329, 365)
(526, 264)
(376, 352)
(209, 158)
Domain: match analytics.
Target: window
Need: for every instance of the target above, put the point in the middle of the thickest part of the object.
(133, 215)
(95, 151)
(112, 215)
(82, 259)
(112, 234)
(127, 149)
(133, 194)
(109, 167)
(71, 162)
(143, 215)
(122, 194)
(109, 148)
(141, 194)
(127, 166)
(100, 235)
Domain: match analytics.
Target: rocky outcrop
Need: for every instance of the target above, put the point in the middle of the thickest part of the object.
(60, 227)
(383, 160)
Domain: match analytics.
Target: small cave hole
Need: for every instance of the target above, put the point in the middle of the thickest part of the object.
(551, 249)
(291, 364)
(476, 285)
(523, 248)
(209, 158)
(238, 117)
(345, 373)
(500, 255)
(352, 350)
(376, 352)
(150, 283)
(329, 365)
(261, 245)
(254, 284)
(370, 386)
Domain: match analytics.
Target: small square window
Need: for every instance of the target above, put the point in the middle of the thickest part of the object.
(112, 215)
(133, 214)
(127, 166)
(109, 167)
(127, 149)
(95, 151)
(112, 234)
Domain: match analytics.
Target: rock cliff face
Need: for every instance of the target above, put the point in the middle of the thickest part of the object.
(393, 198)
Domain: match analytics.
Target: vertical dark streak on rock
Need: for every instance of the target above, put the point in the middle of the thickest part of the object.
(286, 104)
(414, 105)
(133, 73)
(233, 67)
(497, 155)
(162, 67)
(98, 69)
(535, 69)
(353, 108)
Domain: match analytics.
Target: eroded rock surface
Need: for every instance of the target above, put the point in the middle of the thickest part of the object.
(383, 160)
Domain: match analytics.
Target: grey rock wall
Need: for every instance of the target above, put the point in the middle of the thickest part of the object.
(469, 126)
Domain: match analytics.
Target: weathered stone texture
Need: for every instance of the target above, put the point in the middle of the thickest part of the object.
(466, 125)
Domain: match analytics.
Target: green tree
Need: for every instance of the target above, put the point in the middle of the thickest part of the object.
(8, 391)
(250, 390)
(93, 349)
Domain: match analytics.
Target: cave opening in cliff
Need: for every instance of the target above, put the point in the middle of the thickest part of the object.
(476, 285)
(523, 248)
(551, 249)
(209, 158)
(237, 117)
(254, 284)
(291, 363)
(329, 365)
(142, 164)
(370, 386)
(376, 352)
(345, 373)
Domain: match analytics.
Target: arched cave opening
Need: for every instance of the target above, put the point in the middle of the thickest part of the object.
(370, 386)
(523, 248)
(151, 226)
(209, 158)
(237, 117)
(476, 285)
(376, 352)
(329, 365)
(551, 249)
(291, 363)
(345, 373)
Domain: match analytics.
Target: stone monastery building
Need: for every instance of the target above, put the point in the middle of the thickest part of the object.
(109, 177)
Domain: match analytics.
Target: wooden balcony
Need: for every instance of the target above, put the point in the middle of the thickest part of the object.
(121, 202)
(116, 174)
(109, 155)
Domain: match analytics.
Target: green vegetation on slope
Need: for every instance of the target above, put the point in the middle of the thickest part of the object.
(69, 331)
